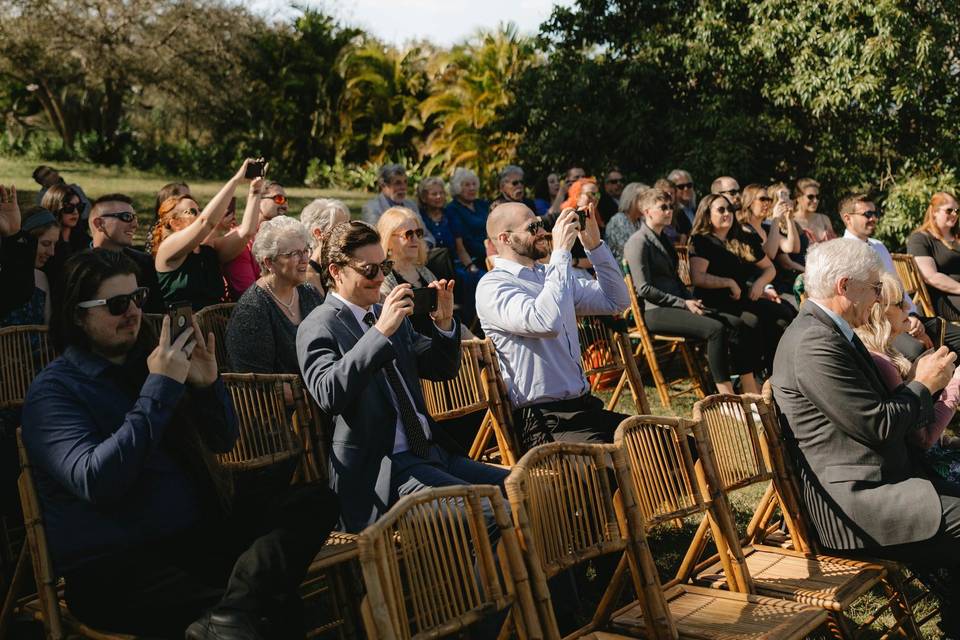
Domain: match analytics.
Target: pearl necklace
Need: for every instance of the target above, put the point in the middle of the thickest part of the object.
(288, 306)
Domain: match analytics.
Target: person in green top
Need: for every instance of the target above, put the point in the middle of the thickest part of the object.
(188, 252)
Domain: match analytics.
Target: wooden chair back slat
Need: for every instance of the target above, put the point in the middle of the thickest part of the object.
(268, 431)
(733, 424)
(913, 283)
(569, 511)
(214, 319)
(430, 568)
(24, 351)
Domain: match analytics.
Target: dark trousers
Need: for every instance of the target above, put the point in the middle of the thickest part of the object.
(580, 419)
(251, 562)
(730, 341)
(913, 348)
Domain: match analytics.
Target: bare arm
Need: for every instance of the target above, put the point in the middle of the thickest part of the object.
(785, 262)
(772, 244)
(937, 280)
(232, 243)
(175, 249)
(790, 243)
(700, 278)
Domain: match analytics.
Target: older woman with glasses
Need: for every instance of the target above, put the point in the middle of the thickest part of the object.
(470, 212)
(816, 226)
(187, 250)
(262, 333)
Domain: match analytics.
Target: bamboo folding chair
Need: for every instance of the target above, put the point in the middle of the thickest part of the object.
(563, 499)
(477, 387)
(902, 606)
(743, 457)
(606, 351)
(913, 283)
(24, 351)
(214, 319)
(656, 346)
(430, 569)
(47, 606)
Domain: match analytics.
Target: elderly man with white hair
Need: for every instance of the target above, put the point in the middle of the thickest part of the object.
(863, 488)
(320, 217)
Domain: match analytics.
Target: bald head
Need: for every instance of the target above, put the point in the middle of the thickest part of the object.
(507, 217)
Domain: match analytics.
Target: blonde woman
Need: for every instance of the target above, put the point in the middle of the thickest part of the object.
(816, 226)
(888, 319)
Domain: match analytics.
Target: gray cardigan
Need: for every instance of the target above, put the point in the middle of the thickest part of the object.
(653, 266)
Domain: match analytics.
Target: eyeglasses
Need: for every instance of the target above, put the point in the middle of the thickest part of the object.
(118, 305)
(409, 234)
(278, 199)
(515, 183)
(730, 192)
(71, 208)
(685, 185)
(532, 228)
(300, 254)
(192, 211)
(722, 209)
(369, 270)
(877, 288)
(872, 213)
(665, 208)
(122, 216)
(812, 196)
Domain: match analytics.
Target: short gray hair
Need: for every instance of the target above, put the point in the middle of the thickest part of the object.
(322, 214)
(677, 175)
(829, 261)
(425, 185)
(388, 172)
(272, 232)
(461, 175)
(507, 171)
(630, 194)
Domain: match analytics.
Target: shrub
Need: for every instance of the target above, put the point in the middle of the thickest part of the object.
(906, 200)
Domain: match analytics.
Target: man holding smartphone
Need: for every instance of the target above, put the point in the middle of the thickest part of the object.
(530, 312)
(121, 432)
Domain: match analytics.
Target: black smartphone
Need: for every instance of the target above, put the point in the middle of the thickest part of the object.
(254, 170)
(424, 301)
(582, 213)
(181, 317)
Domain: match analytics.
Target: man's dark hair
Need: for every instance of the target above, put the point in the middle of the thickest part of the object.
(114, 197)
(40, 171)
(82, 276)
(344, 240)
(850, 202)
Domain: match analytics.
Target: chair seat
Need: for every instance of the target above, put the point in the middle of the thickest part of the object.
(339, 547)
(636, 335)
(704, 613)
(74, 626)
(822, 581)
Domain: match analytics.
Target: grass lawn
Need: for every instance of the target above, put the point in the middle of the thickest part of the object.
(142, 187)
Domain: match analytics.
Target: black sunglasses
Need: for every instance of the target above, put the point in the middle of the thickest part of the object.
(685, 185)
(71, 208)
(765, 199)
(876, 214)
(515, 183)
(122, 216)
(409, 233)
(369, 270)
(118, 305)
(532, 228)
(730, 192)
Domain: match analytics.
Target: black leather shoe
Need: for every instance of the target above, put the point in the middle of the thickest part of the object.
(223, 626)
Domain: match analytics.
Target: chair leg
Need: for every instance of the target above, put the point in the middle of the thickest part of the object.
(19, 575)
(691, 371)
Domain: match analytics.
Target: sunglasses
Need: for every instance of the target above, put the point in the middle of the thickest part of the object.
(615, 181)
(118, 305)
(812, 197)
(71, 208)
(369, 270)
(722, 209)
(278, 199)
(515, 183)
(877, 288)
(685, 185)
(122, 216)
(730, 192)
(300, 254)
(665, 208)
(410, 233)
(192, 211)
(532, 228)
(765, 199)
(872, 213)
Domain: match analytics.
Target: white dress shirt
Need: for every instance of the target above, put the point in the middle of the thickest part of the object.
(881, 250)
(530, 314)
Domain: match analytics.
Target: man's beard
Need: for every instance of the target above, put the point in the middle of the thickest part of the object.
(530, 249)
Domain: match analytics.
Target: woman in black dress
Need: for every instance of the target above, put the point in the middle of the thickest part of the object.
(936, 247)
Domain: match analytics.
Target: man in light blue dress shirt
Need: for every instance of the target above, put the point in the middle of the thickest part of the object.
(529, 311)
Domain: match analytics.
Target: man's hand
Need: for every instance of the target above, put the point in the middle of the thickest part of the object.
(170, 359)
(443, 316)
(203, 358)
(397, 306)
(934, 370)
(9, 211)
(734, 288)
(590, 236)
(565, 230)
(694, 306)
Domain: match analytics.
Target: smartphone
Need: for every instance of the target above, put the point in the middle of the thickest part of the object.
(254, 170)
(181, 317)
(424, 301)
(583, 215)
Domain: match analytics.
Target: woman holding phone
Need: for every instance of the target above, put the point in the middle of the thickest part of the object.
(188, 252)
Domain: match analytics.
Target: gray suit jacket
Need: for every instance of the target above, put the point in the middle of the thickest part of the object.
(862, 485)
(653, 265)
(341, 366)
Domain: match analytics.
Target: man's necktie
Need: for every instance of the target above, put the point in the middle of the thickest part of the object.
(416, 438)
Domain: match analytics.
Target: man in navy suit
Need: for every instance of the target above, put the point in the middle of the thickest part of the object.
(362, 362)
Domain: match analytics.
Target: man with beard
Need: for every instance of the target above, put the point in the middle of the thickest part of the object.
(530, 312)
(729, 188)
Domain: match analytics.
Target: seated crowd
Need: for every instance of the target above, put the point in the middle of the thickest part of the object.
(123, 427)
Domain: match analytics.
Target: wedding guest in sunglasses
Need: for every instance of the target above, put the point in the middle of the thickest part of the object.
(113, 223)
(609, 205)
(187, 250)
(732, 275)
(362, 362)
(393, 184)
(511, 185)
(41, 227)
(168, 190)
(122, 429)
(816, 226)
(686, 195)
(262, 332)
(64, 203)
(935, 245)
(729, 188)
(530, 311)
(273, 201)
